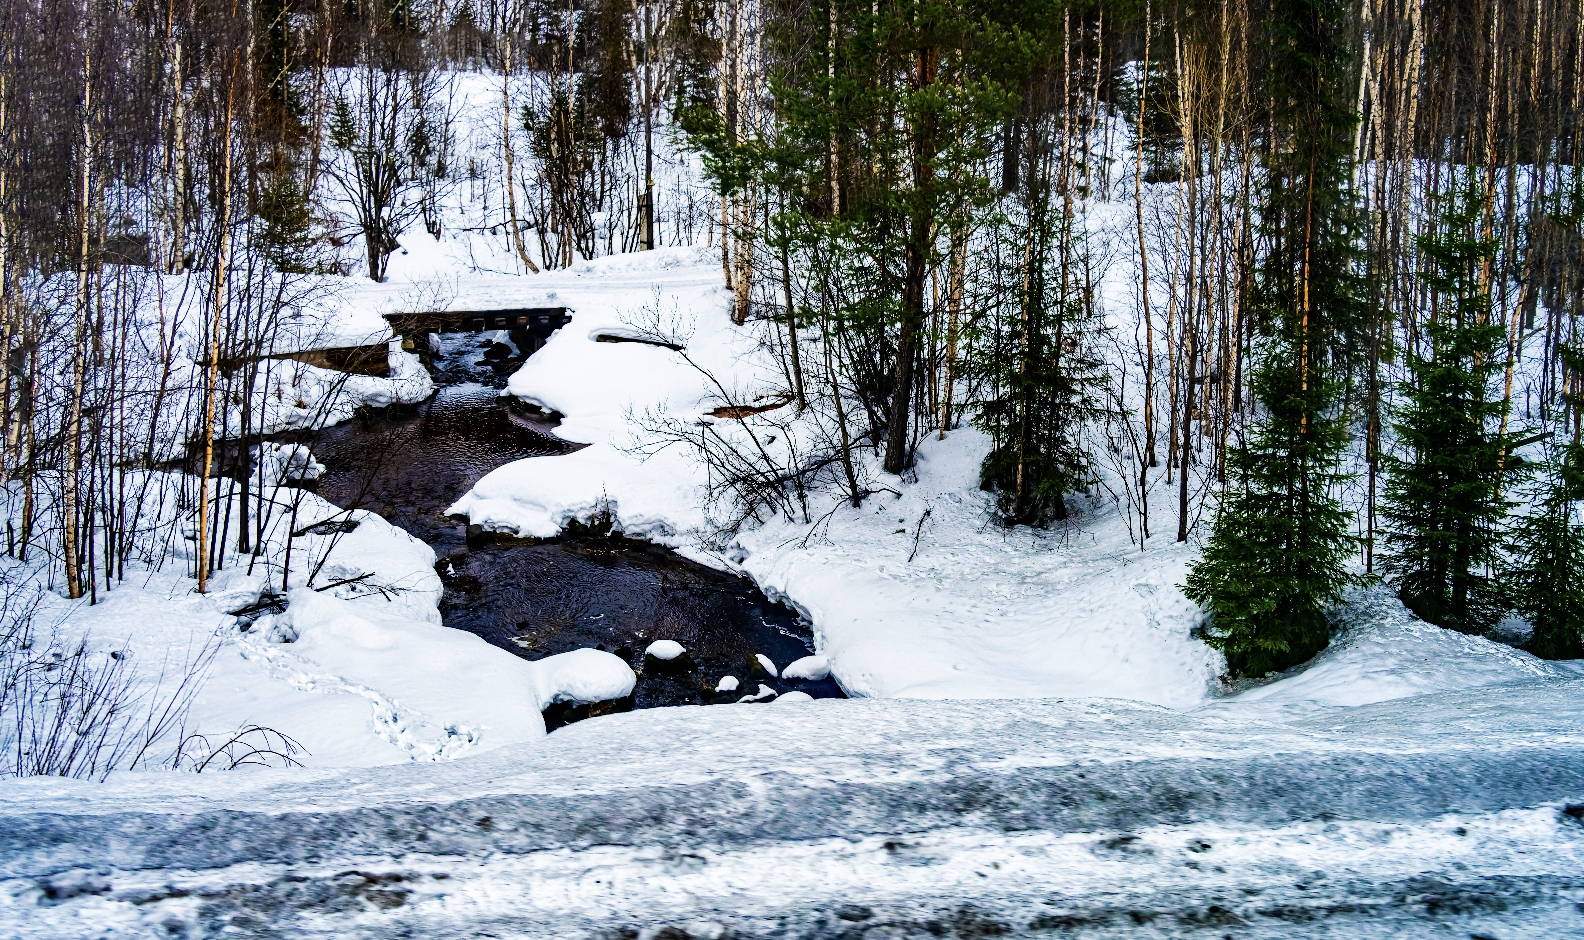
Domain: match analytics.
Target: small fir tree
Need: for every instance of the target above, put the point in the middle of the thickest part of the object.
(1275, 560)
(1444, 510)
(1547, 577)
(286, 237)
(1036, 359)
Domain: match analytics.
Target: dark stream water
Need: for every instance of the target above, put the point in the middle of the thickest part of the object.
(539, 598)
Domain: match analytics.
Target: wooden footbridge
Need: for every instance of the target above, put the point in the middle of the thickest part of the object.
(529, 326)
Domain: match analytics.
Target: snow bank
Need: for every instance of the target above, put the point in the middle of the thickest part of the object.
(1439, 815)
(299, 396)
(358, 669)
(285, 463)
(658, 499)
(1384, 652)
(809, 667)
(599, 388)
(977, 611)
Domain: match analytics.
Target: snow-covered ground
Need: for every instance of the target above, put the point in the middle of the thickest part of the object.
(1444, 815)
(917, 593)
(358, 669)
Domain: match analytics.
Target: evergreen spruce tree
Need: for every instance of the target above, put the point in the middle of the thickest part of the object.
(885, 119)
(1275, 560)
(285, 237)
(1444, 512)
(1036, 359)
(1547, 578)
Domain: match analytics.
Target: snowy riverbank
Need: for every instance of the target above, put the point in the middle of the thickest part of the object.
(358, 669)
(917, 593)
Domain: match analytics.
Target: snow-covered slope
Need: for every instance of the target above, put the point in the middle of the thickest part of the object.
(1435, 816)
(601, 388)
(950, 605)
(358, 669)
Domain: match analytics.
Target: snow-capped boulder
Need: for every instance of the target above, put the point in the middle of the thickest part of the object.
(665, 649)
(583, 676)
(667, 658)
(813, 668)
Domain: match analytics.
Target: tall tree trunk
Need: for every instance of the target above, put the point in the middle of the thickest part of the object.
(217, 305)
(71, 439)
(510, 155)
(1143, 247)
(956, 278)
(920, 229)
(792, 331)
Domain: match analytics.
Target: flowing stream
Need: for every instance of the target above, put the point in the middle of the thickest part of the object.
(539, 598)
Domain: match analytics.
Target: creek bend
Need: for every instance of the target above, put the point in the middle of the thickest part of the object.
(542, 597)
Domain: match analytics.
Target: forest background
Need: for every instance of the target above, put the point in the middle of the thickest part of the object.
(1313, 267)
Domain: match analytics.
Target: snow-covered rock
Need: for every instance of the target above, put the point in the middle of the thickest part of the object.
(792, 698)
(726, 684)
(583, 676)
(809, 667)
(767, 664)
(665, 649)
(286, 463)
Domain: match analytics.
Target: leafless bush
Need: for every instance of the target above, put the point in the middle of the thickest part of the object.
(762, 457)
(248, 746)
(69, 710)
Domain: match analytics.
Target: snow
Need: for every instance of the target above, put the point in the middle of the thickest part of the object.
(285, 463)
(665, 649)
(600, 388)
(582, 676)
(1433, 816)
(298, 396)
(766, 663)
(764, 693)
(917, 593)
(977, 611)
(809, 667)
(358, 669)
(1079, 764)
(1384, 652)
